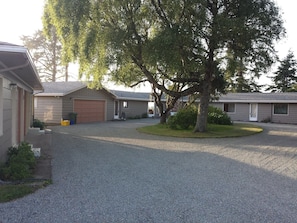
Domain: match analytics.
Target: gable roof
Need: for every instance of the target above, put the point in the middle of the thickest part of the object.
(64, 88)
(61, 88)
(17, 65)
(255, 97)
(135, 96)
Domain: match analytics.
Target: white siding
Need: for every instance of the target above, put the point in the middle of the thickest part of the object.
(48, 109)
(290, 118)
(5, 118)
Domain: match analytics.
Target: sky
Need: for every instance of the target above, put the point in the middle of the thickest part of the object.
(23, 17)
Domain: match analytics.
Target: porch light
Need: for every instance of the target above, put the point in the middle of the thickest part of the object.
(13, 85)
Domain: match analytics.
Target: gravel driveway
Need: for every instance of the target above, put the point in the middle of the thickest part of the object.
(108, 172)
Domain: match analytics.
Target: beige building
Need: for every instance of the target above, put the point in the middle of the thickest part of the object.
(18, 80)
(260, 107)
(60, 99)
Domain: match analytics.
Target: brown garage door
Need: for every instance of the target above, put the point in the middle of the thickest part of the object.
(89, 110)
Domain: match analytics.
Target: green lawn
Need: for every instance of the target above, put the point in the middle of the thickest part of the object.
(213, 131)
(9, 192)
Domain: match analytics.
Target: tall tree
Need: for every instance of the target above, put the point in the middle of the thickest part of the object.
(46, 54)
(167, 42)
(237, 78)
(285, 78)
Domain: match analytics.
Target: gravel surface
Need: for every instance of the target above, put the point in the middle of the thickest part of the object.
(108, 172)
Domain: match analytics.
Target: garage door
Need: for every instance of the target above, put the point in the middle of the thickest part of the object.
(89, 110)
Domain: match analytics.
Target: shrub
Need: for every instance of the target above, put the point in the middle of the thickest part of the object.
(266, 120)
(217, 116)
(183, 119)
(144, 115)
(187, 117)
(38, 124)
(19, 164)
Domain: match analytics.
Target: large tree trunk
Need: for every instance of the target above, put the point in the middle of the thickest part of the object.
(201, 123)
(165, 113)
(163, 118)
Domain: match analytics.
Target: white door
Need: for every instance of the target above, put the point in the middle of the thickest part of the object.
(253, 112)
(116, 110)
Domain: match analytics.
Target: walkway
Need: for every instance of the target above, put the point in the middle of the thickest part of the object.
(108, 172)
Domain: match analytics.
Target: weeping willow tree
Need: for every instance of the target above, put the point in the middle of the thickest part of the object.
(166, 42)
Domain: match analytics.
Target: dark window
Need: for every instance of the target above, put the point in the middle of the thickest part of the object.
(229, 107)
(280, 109)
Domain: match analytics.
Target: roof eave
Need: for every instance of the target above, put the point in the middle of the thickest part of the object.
(15, 71)
(49, 94)
(133, 99)
(257, 101)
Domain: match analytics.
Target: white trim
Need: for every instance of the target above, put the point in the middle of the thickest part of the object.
(116, 107)
(251, 117)
(49, 95)
(13, 49)
(133, 99)
(42, 94)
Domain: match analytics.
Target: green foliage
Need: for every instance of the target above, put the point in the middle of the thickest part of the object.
(285, 78)
(144, 115)
(183, 119)
(217, 116)
(19, 164)
(174, 42)
(186, 118)
(237, 77)
(213, 131)
(266, 120)
(38, 124)
(134, 117)
(11, 192)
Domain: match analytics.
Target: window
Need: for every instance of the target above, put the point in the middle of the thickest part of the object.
(125, 104)
(229, 107)
(280, 109)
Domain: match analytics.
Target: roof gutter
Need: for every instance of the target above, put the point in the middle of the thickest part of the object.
(280, 101)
